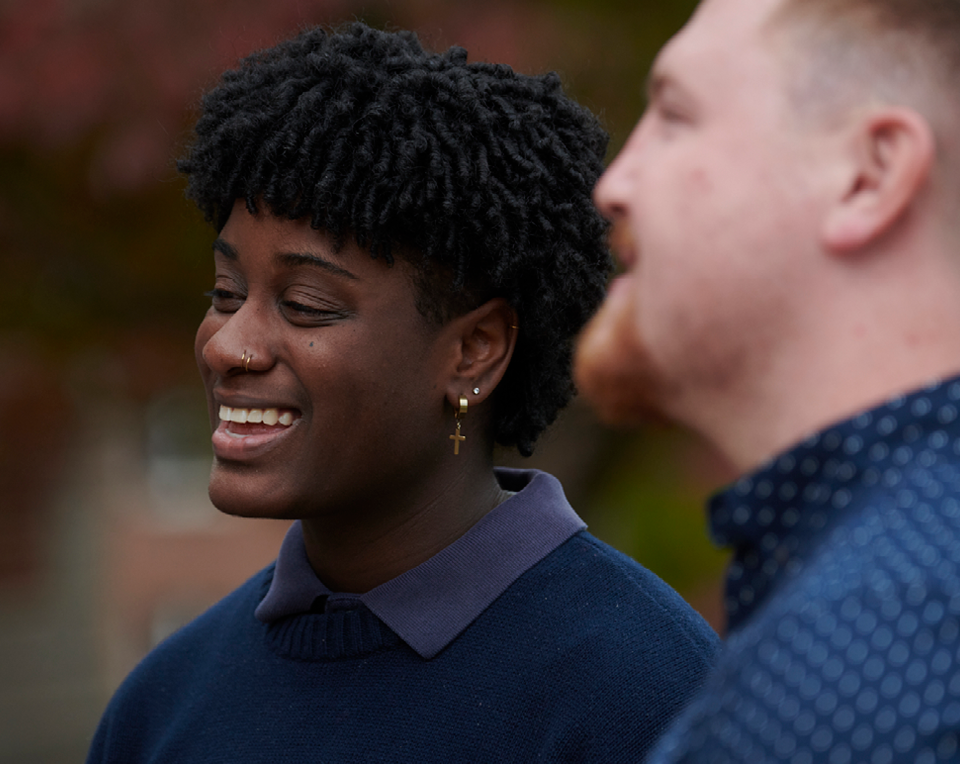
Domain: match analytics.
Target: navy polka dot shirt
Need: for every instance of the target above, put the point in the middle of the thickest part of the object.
(843, 599)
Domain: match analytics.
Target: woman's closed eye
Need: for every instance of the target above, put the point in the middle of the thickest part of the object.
(300, 313)
(224, 301)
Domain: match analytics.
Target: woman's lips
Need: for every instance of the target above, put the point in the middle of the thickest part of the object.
(246, 433)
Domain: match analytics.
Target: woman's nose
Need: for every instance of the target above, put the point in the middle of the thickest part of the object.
(237, 342)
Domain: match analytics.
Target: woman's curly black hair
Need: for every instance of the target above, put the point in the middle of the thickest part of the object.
(485, 174)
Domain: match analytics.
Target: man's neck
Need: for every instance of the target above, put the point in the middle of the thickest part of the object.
(829, 384)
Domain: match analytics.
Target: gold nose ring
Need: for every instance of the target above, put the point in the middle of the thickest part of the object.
(245, 360)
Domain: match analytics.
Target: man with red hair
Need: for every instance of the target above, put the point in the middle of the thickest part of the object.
(786, 213)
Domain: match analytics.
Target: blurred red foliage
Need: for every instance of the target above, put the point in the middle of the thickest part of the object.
(128, 72)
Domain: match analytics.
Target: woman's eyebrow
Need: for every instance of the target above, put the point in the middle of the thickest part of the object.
(290, 259)
(294, 259)
(225, 249)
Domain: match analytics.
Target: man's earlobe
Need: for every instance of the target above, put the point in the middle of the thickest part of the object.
(891, 152)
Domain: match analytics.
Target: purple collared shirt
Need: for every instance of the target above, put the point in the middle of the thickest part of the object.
(431, 604)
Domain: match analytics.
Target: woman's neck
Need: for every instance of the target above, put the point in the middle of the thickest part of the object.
(358, 549)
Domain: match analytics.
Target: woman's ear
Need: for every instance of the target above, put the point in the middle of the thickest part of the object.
(891, 152)
(485, 340)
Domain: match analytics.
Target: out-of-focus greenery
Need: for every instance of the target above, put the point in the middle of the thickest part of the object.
(649, 500)
(84, 269)
(612, 44)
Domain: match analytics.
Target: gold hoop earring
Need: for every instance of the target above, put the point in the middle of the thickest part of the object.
(245, 360)
(457, 438)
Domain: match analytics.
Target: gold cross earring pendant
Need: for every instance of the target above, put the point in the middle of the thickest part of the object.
(457, 438)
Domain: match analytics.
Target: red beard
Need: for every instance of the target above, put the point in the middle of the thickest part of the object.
(613, 370)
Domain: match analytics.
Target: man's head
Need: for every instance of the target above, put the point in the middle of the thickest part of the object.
(791, 153)
(896, 51)
(477, 176)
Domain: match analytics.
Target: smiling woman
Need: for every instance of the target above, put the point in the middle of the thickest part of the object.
(406, 249)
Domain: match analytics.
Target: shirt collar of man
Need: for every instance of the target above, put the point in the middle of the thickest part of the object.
(774, 515)
(430, 605)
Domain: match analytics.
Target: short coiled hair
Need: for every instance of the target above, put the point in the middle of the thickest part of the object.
(477, 175)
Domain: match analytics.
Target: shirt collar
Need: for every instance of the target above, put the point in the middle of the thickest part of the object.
(771, 516)
(431, 604)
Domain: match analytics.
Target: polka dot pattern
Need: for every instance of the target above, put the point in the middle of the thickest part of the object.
(843, 599)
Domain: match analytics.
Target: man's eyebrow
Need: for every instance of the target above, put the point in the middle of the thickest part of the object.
(294, 259)
(656, 82)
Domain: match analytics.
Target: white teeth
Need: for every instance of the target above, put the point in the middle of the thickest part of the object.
(256, 416)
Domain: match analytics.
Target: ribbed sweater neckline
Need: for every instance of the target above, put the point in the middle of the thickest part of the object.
(339, 635)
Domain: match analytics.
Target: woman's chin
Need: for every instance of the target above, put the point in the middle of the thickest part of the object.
(238, 500)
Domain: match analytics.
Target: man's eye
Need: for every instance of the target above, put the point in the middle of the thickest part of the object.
(669, 113)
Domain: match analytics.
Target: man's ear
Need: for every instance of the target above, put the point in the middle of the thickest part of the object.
(890, 155)
(486, 338)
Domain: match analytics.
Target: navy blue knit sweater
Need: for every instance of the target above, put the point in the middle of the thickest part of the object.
(585, 657)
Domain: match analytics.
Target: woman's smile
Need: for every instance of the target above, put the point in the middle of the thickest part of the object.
(267, 416)
(247, 433)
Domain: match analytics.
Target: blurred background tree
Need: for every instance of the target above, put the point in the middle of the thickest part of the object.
(103, 263)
